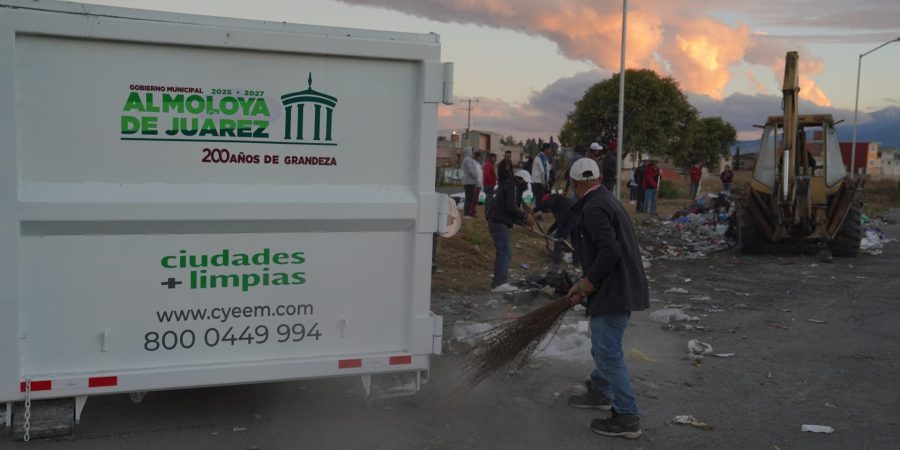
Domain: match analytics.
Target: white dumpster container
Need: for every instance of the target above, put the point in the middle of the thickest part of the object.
(194, 201)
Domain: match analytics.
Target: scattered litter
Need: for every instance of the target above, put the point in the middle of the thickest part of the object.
(560, 280)
(779, 325)
(830, 405)
(492, 303)
(697, 349)
(816, 321)
(724, 355)
(637, 355)
(701, 298)
(524, 266)
(692, 421)
(239, 429)
(682, 326)
(668, 315)
(570, 342)
(470, 332)
(769, 375)
(677, 291)
(817, 428)
(214, 433)
(257, 416)
(655, 300)
(873, 240)
(687, 280)
(694, 232)
(785, 310)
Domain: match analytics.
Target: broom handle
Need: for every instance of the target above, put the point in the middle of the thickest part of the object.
(551, 238)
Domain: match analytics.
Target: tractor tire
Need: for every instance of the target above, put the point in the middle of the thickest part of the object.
(750, 239)
(849, 236)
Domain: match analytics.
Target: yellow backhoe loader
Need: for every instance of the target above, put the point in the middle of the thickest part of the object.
(800, 190)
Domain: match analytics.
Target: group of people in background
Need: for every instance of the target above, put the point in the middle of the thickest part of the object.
(489, 175)
(696, 174)
(644, 185)
(504, 183)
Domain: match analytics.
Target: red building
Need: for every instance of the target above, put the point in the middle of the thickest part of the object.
(862, 155)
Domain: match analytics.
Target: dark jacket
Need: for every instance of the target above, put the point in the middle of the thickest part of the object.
(504, 171)
(609, 166)
(609, 255)
(505, 207)
(561, 207)
(639, 176)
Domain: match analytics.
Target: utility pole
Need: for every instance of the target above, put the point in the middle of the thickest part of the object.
(856, 109)
(620, 135)
(469, 118)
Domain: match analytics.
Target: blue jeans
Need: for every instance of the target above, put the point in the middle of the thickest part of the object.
(611, 375)
(500, 234)
(650, 201)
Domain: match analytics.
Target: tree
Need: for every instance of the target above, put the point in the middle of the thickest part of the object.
(531, 146)
(657, 114)
(707, 142)
(737, 158)
(508, 140)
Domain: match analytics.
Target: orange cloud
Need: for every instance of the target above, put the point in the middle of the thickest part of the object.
(807, 67)
(758, 85)
(674, 37)
(702, 53)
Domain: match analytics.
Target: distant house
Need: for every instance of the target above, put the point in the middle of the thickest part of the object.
(451, 150)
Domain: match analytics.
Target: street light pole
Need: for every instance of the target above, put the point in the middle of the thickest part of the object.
(856, 108)
(619, 130)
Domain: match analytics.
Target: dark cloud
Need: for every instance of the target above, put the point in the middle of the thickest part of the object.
(743, 110)
(545, 111)
(542, 115)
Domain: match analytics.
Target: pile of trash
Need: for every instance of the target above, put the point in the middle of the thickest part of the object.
(704, 227)
(873, 240)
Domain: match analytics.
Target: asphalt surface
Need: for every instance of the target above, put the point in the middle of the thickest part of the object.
(786, 371)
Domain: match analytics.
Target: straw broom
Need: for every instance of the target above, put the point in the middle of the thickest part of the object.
(513, 342)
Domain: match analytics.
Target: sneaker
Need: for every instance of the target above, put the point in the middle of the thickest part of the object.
(619, 425)
(590, 400)
(504, 288)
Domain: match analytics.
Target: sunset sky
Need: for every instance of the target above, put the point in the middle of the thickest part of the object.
(527, 61)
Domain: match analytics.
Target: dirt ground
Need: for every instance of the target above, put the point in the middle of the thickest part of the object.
(786, 371)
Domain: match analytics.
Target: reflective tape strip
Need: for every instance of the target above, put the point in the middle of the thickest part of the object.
(397, 360)
(103, 381)
(37, 385)
(349, 363)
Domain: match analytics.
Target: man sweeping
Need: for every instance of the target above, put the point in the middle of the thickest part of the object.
(614, 285)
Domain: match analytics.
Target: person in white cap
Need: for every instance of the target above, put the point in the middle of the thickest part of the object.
(613, 285)
(596, 149)
(505, 211)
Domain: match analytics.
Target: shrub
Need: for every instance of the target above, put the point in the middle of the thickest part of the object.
(668, 189)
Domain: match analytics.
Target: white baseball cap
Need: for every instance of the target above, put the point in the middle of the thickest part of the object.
(523, 174)
(596, 146)
(584, 169)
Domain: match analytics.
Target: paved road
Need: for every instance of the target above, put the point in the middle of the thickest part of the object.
(842, 373)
